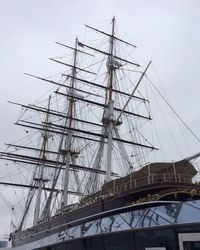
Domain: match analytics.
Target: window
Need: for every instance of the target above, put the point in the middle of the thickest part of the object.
(191, 245)
(119, 241)
(93, 243)
(163, 238)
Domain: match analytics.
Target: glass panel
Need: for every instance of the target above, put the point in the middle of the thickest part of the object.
(155, 248)
(188, 229)
(74, 245)
(60, 247)
(191, 245)
(122, 241)
(156, 238)
(93, 243)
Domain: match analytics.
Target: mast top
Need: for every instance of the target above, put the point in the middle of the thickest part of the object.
(113, 20)
(110, 35)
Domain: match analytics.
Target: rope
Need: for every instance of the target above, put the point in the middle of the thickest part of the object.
(178, 116)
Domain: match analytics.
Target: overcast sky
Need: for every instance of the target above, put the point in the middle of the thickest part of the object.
(165, 31)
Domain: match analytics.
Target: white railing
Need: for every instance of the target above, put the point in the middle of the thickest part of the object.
(134, 183)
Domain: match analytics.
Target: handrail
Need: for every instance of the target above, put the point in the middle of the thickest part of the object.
(117, 189)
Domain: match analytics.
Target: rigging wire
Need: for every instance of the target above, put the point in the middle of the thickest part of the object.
(6, 201)
(177, 120)
(178, 116)
(167, 125)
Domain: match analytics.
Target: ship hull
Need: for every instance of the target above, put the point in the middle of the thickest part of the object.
(160, 224)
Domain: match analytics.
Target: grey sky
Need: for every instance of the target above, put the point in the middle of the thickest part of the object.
(166, 31)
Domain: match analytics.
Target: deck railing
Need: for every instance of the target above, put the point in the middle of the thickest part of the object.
(134, 183)
(151, 179)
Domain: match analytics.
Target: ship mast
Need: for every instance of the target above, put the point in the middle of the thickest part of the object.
(68, 142)
(40, 179)
(110, 124)
(110, 110)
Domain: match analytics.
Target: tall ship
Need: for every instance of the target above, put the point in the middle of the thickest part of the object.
(87, 174)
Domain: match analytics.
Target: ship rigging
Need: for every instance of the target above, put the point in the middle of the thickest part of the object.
(89, 145)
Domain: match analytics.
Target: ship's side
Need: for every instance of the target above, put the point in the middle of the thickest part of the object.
(158, 224)
(158, 212)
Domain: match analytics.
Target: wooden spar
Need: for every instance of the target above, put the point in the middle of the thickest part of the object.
(35, 162)
(66, 64)
(30, 148)
(138, 83)
(75, 129)
(60, 84)
(92, 48)
(103, 105)
(108, 54)
(82, 99)
(54, 113)
(34, 187)
(69, 47)
(59, 132)
(126, 61)
(104, 33)
(83, 137)
(87, 82)
(105, 88)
